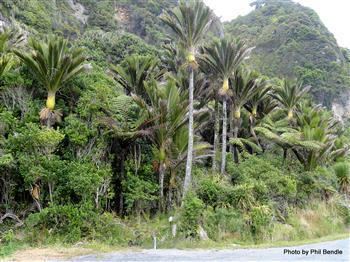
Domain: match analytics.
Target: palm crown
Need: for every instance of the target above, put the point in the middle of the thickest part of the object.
(190, 21)
(8, 40)
(223, 57)
(289, 94)
(244, 87)
(53, 64)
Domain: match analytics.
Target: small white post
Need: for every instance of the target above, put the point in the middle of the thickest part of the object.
(154, 241)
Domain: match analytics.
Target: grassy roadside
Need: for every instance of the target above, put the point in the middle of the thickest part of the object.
(65, 251)
(236, 244)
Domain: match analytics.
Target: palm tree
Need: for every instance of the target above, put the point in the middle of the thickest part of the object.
(255, 106)
(166, 107)
(4, 63)
(134, 71)
(289, 94)
(53, 64)
(223, 58)
(245, 85)
(318, 126)
(189, 21)
(342, 171)
(8, 40)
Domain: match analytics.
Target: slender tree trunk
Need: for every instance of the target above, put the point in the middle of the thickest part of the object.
(187, 181)
(120, 181)
(224, 136)
(231, 121)
(50, 192)
(216, 134)
(161, 185)
(235, 149)
(51, 100)
(252, 131)
(285, 152)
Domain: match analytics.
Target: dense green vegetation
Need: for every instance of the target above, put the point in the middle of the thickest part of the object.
(104, 137)
(290, 40)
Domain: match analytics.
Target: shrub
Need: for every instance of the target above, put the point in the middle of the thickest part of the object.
(191, 214)
(223, 223)
(241, 196)
(211, 190)
(70, 224)
(267, 178)
(139, 189)
(261, 221)
(342, 171)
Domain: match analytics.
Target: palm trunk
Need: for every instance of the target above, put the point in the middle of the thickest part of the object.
(285, 154)
(224, 136)
(161, 186)
(187, 181)
(47, 115)
(231, 148)
(216, 134)
(235, 134)
(252, 131)
(50, 192)
(51, 100)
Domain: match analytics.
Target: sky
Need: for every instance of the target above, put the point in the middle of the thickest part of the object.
(335, 14)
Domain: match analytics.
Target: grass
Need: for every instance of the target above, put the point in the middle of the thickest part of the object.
(65, 251)
(209, 244)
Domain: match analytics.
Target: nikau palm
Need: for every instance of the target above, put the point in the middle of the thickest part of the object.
(4, 57)
(244, 87)
(8, 40)
(255, 103)
(134, 71)
(223, 58)
(289, 94)
(53, 64)
(189, 21)
(166, 108)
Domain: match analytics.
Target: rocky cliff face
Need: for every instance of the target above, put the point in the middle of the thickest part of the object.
(3, 22)
(341, 108)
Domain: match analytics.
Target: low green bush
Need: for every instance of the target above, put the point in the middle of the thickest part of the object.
(70, 224)
(191, 214)
(261, 222)
(211, 190)
(223, 223)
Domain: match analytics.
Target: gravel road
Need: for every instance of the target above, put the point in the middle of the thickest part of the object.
(264, 254)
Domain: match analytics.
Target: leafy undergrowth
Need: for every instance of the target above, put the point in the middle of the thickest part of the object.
(320, 221)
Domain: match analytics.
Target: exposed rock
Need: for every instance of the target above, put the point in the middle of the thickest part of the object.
(341, 109)
(3, 22)
(202, 233)
(79, 11)
(173, 230)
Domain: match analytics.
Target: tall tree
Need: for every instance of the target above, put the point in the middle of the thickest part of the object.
(256, 103)
(166, 109)
(244, 87)
(223, 57)
(53, 63)
(190, 21)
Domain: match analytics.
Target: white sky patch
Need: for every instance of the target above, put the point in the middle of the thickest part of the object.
(334, 14)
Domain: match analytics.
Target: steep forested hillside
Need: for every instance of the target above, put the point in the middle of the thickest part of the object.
(74, 17)
(291, 40)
